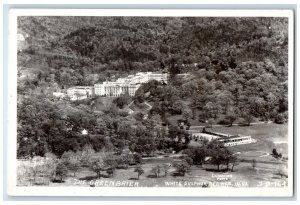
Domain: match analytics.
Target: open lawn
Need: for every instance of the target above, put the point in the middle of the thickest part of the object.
(268, 136)
(102, 103)
(264, 174)
(277, 132)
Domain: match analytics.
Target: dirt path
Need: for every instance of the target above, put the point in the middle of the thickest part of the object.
(202, 126)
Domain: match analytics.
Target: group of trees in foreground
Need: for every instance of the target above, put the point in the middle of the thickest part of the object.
(105, 164)
(57, 168)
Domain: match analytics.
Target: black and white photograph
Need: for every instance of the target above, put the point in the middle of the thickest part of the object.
(173, 103)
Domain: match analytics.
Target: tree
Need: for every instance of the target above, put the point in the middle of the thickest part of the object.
(50, 167)
(139, 171)
(199, 155)
(139, 116)
(229, 158)
(211, 109)
(37, 167)
(187, 114)
(182, 167)
(35, 171)
(156, 170)
(189, 160)
(248, 118)
(165, 169)
(124, 131)
(274, 152)
(123, 160)
(210, 122)
(110, 164)
(86, 155)
(137, 158)
(218, 156)
(234, 161)
(253, 163)
(177, 134)
(66, 156)
(122, 100)
(72, 161)
(97, 165)
(74, 165)
(279, 119)
(230, 118)
(61, 171)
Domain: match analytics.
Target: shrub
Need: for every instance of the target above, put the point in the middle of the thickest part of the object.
(279, 118)
(274, 152)
(189, 160)
(97, 165)
(110, 164)
(61, 171)
(137, 158)
(123, 113)
(156, 170)
(254, 163)
(181, 167)
(50, 155)
(139, 171)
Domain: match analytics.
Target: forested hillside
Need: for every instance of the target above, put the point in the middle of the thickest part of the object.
(130, 44)
(238, 73)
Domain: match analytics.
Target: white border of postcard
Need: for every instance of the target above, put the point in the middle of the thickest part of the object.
(138, 191)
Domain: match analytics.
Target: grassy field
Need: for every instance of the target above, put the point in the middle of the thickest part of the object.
(265, 173)
(268, 136)
(102, 103)
(244, 175)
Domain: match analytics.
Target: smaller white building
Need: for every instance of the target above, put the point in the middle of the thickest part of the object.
(84, 132)
(58, 94)
(80, 92)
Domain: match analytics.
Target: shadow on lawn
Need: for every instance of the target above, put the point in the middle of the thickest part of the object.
(56, 181)
(133, 178)
(244, 125)
(178, 174)
(280, 176)
(152, 176)
(89, 178)
(215, 170)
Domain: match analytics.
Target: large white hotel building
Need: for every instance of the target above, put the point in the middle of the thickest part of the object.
(129, 84)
